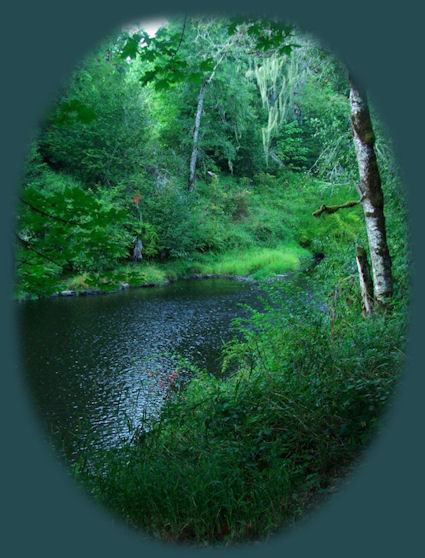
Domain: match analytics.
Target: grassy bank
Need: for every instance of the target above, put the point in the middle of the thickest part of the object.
(261, 228)
(236, 458)
(258, 263)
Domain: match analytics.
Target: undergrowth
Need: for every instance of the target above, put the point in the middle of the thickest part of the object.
(236, 457)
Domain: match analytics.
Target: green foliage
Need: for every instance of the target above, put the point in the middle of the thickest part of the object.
(97, 129)
(61, 227)
(241, 454)
(72, 111)
(326, 114)
(237, 458)
(291, 147)
(170, 213)
(268, 35)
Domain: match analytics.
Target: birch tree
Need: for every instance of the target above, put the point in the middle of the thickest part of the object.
(371, 196)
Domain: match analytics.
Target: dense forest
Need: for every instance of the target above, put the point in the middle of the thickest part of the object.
(237, 148)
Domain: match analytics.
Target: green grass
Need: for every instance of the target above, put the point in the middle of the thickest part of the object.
(238, 458)
(259, 262)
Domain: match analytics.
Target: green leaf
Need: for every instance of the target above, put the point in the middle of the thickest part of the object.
(162, 85)
(131, 47)
(148, 76)
(196, 77)
(207, 65)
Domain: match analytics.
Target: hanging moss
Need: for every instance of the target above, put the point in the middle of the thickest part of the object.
(276, 80)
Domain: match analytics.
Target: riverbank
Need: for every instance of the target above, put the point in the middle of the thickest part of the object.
(236, 458)
(256, 264)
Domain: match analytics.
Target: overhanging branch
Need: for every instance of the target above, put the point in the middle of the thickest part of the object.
(181, 37)
(29, 246)
(329, 209)
(49, 215)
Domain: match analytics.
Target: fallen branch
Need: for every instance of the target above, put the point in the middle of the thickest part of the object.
(366, 281)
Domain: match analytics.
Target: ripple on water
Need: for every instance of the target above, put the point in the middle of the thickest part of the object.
(87, 359)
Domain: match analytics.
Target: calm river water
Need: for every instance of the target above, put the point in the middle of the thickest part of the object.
(90, 361)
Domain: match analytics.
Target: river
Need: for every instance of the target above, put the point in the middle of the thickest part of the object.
(90, 361)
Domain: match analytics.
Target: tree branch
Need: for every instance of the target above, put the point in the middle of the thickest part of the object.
(45, 214)
(181, 37)
(329, 209)
(28, 246)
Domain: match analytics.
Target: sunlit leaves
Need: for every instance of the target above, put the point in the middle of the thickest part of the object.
(133, 45)
(164, 72)
(267, 35)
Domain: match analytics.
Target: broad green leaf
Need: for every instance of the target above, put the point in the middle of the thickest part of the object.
(131, 47)
(196, 77)
(207, 65)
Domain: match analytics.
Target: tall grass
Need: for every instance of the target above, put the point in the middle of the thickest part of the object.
(237, 458)
(259, 262)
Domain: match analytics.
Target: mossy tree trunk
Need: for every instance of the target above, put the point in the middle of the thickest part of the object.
(371, 193)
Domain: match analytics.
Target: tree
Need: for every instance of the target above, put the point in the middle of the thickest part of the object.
(371, 194)
(212, 42)
(98, 128)
(371, 199)
(205, 83)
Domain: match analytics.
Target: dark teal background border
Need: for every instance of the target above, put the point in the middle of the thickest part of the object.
(380, 512)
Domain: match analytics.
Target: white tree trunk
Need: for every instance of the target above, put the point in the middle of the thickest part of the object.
(196, 127)
(198, 116)
(371, 192)
(366, 283)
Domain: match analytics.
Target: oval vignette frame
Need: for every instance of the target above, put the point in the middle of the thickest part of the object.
(371, 511)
